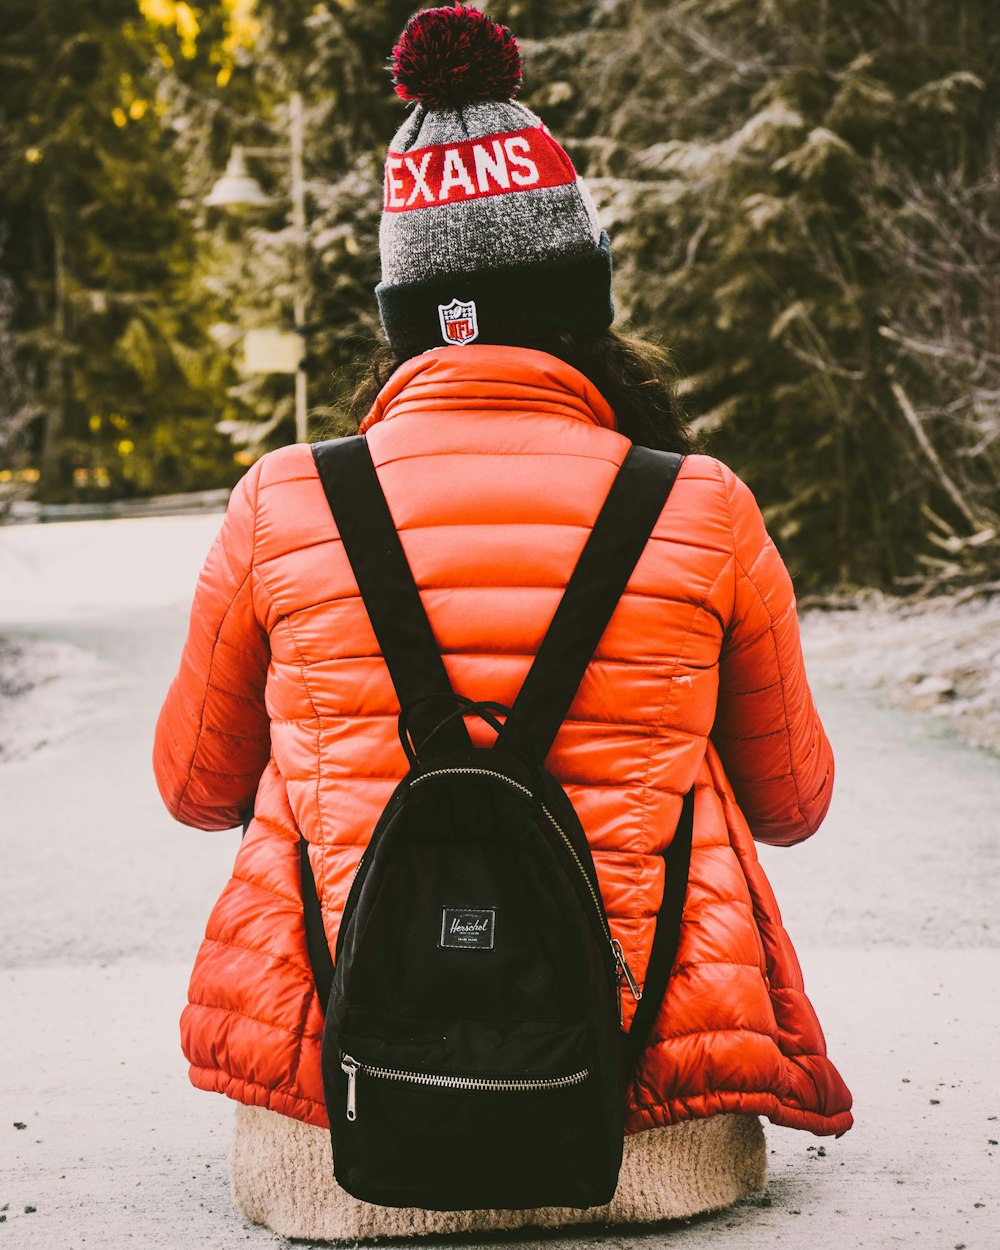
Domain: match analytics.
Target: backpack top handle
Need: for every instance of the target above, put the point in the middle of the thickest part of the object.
(487, 710)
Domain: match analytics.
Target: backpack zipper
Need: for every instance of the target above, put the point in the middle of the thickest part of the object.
(473, 1084)
(621, 963)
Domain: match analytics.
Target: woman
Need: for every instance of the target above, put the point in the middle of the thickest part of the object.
(498, 418)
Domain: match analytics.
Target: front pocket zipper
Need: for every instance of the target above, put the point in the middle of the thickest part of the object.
(471, 1084)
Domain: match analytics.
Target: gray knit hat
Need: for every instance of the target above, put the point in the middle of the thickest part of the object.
(487, 230)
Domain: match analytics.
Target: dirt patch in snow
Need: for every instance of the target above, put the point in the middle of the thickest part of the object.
(48, 690)
(940, 656)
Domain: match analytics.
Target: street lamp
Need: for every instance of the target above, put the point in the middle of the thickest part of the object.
(237, 186)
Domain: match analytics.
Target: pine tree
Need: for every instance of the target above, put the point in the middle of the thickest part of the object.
(112, 336)
(766, 175)
(801, 200)
(15, 412)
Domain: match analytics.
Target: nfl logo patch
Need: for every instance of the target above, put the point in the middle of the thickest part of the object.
(458, 321)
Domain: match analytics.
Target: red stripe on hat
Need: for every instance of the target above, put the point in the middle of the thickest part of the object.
(499, 164)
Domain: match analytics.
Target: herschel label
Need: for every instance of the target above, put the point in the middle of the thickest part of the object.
(468, 928)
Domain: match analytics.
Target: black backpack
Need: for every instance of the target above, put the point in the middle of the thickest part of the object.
(473, 1055)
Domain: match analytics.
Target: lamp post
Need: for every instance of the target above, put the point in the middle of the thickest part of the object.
(238, 187)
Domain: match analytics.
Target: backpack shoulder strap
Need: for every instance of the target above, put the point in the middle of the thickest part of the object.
(320, 959)
(390, 594)
(619, 535)
(610, 554)
(666, 938)
(398, 619)
(612, 550)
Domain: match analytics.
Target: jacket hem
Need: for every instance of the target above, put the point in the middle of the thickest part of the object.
(668, 1114)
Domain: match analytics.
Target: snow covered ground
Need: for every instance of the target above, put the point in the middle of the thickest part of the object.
(940, 656)
(893, 907)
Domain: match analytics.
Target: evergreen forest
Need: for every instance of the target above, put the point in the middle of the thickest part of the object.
(802, 199)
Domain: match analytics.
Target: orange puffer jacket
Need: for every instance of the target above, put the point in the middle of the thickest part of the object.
(495, 462)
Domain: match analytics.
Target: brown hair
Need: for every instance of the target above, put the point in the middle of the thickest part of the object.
(636, 377)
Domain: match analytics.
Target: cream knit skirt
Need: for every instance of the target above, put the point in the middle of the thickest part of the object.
(282, 1177)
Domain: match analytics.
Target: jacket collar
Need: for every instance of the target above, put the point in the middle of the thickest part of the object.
(487, 378)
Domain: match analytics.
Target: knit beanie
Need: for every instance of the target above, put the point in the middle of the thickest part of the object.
(487, 231)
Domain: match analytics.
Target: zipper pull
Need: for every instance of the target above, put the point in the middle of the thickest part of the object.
(625, 971)
(350, 1066)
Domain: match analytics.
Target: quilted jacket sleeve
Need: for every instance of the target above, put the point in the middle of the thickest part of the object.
(767, 731)
(212, 736)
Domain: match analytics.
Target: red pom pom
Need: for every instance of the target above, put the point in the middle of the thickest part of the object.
(452, 56)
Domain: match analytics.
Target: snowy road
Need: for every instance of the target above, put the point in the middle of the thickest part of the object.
(894, 908)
